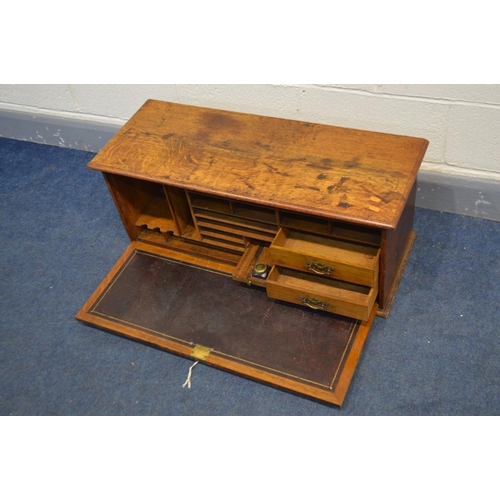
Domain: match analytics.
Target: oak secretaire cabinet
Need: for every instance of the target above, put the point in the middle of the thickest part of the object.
(259, 245)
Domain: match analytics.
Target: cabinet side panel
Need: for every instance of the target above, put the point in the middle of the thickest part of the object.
(131, 199)
(396, 245)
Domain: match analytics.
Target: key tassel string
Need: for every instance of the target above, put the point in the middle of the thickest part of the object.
(188, 380)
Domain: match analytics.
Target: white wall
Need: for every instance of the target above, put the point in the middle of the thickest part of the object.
(462, 122)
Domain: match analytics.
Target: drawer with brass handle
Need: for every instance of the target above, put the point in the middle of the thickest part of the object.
(325, 256)
(318, 292)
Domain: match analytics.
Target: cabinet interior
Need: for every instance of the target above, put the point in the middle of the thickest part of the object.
(227, 224)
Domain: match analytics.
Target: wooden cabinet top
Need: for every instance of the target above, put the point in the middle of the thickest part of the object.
(346, 174)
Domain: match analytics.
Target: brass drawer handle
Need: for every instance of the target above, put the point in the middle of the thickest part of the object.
(318, 268)
(313, 303)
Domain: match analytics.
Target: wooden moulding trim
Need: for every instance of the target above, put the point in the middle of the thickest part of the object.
(216, 361)
(336, 397)
(354, 355)
(134, 333)
(83, 313)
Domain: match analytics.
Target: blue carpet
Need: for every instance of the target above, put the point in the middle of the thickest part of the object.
(437, 353)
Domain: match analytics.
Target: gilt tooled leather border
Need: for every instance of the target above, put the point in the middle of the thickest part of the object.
(124, 317)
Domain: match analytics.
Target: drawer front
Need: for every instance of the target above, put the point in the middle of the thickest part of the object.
(329, 257)
(347, 299)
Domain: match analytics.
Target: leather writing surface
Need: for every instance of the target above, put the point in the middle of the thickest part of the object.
(192, 306)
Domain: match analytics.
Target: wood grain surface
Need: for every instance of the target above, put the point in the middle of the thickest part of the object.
(345, 174)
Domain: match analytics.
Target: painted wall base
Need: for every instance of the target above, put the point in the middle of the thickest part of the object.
(458, 195)
(52, 130)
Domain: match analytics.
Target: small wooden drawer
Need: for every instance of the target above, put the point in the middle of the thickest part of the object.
(315, 292)
(330, 257)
